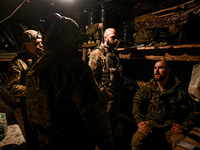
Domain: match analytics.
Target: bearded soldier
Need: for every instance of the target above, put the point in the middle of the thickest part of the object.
(107, 71)
(162, 107)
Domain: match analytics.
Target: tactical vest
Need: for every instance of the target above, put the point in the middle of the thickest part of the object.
(111, 65)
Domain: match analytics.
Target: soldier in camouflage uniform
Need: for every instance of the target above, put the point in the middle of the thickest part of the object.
(64, 103)
(20, 65)
(161, 106)
(107, 70)
(18, 68)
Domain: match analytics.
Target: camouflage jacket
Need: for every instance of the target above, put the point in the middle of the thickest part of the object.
(16, 72)
(163, 109)
(97, 62)
(63, 99)
(108, 75)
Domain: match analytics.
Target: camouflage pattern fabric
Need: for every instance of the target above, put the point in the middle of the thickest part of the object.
(111, 89)
(93, 30)
(65, 104)
(16, 72)
(162, 109)
(97, 62)
(15, 86)
(98, 65)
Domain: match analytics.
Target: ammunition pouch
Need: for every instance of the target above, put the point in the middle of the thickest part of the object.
(114, 74)
(111, 74)
(112, 61)
(111, 71)
(109, 60)
(106, 75)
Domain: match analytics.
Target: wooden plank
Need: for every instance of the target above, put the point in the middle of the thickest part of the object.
(124, 56)
(184, 46)
(150, 47)
(84, 54)
(187, 52)
(189, 140)
(7, 59)
(196, 132)
(167, 57)
(165, 47)
(7, 56)
(89, 45)
(165, 10)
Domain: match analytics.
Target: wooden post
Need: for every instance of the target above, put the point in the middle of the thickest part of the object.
(84, 54)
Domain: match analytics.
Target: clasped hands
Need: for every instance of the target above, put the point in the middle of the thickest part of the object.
(175, 129)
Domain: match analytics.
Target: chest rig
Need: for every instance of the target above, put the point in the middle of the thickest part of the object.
(111, 63)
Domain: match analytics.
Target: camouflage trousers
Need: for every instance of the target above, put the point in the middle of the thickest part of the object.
(139, 139)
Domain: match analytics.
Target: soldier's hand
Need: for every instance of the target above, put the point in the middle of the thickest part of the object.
(144, 126)
(176, 128)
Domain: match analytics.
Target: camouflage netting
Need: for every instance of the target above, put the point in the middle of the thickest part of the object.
(180, 28)
(167, 21)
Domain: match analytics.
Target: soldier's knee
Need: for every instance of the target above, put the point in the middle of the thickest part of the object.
(138, 140)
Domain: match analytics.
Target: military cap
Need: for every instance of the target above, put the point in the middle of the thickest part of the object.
(28, 35)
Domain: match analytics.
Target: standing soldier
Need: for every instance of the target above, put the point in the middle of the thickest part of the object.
(17, 70)
(107, 70)
(63, 100)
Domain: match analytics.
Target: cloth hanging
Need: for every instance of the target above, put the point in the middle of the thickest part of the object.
(194, 85)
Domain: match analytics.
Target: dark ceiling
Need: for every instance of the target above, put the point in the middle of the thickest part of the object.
(33, 10)
(29, 12)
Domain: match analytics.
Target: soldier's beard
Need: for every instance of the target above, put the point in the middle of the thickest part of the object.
(112, 45)
(160, 77)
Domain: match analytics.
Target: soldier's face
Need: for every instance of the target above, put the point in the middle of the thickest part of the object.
(161, 70)
(111, 39)
(33, 44)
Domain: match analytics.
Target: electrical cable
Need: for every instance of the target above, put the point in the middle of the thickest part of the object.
(13, 12)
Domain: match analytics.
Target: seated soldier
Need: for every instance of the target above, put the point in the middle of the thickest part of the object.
(162, 106)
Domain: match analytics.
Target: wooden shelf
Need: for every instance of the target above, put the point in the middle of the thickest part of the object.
(170, 52)
(7, 56)
(89, 45)
(190, 52)
(87, 49)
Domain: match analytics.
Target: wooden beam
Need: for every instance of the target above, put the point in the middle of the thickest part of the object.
(89, 45)
(84, 54)
(7, 56)
(167, 57)
(170, 53)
